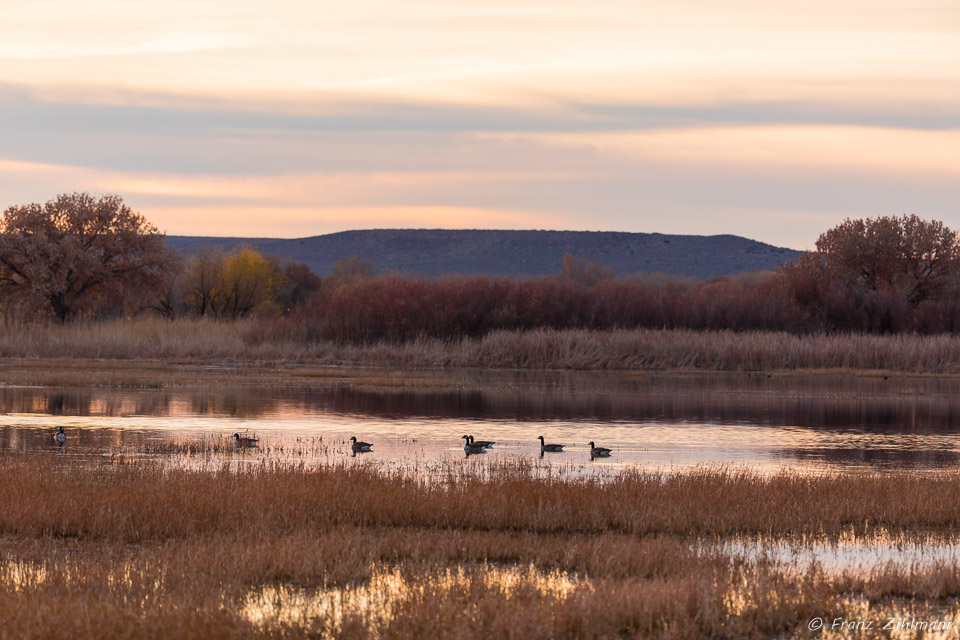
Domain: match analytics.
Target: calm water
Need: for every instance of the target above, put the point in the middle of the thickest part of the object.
(813, 423)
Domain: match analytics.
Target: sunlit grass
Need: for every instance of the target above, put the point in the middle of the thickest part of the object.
(94, 549)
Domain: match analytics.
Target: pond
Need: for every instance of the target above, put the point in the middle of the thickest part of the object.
(811, 423)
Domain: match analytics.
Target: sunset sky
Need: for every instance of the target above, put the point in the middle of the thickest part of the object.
(772, 120)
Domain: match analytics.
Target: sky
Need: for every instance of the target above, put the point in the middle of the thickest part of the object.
(290, 118)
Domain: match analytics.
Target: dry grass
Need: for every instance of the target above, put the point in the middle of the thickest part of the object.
(138, 550)
(190, 341)
(140, 501)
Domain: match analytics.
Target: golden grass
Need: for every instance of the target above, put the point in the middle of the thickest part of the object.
(193, 341)
(142, 550)
(140, 501)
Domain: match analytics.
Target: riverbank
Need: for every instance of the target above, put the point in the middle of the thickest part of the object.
(191, 342)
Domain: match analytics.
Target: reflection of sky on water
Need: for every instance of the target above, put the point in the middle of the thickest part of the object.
(810, 423)
(854, 554)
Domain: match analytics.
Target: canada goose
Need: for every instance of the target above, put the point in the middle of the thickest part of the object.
(486, 444)
(599, 452)
(359, 446)
(61, 437)
(471, 447)
(244, 442)
(552, 448)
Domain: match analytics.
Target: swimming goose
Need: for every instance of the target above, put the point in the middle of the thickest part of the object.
(61, 437)
(359, 446)
(552, 448)
(244, 442)
(599, 452)
(486, 444)
(471, 447)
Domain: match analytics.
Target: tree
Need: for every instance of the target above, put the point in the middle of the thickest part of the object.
(247, 281)
(872, 274)
(352, 268)
(907, 254)
(583, 271)
(78, 252)
(201, 282)
(299, 285)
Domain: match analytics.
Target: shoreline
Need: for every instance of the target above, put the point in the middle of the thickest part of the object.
(160, 374)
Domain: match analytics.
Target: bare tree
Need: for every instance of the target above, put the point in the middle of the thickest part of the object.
(78, 252)
(201, 282)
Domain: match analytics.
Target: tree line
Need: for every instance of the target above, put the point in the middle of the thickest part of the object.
(79, 256)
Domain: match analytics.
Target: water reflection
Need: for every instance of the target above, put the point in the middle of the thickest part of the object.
(854, 554)
(805, 422)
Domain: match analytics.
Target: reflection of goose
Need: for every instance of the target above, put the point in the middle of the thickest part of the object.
(549, 448)
(471, 447)
(599, 452)
(486, 444)
(244, 442)
(61, 437)
(359, 446)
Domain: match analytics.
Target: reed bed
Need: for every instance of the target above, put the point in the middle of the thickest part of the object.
(137, 501)
(254, 341)
(143, 550)
(104, 593)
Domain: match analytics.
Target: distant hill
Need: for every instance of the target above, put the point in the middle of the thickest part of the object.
(434, 252)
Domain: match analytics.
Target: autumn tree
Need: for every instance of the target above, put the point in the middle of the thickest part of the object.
(201, 282)
(352, 268)
(583, 271)
(77, 252)
(906, 254)
(247, 281)
(871, 274)
(299, 285)
(230, 285)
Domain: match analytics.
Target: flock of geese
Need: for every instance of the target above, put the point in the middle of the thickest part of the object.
(470, 447)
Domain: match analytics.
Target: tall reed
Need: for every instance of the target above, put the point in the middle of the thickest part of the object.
(257, 341)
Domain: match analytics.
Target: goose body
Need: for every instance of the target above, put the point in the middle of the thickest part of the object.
(60, 437)
(359, 446)
(486, 444)
(549, 448)
(244, 442)
(599, 452)
(471, 447)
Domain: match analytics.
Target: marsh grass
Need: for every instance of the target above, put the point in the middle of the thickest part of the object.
(255, 341)
(149, 550)
(139, 501)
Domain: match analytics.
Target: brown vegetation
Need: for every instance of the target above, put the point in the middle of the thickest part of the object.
(139, 550)
(78, 256)
(141, 502)
(267, 341)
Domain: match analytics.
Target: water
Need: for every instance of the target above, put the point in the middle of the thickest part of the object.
(806, 423)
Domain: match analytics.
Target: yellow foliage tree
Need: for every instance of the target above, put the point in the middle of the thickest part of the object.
(230, 286)
(247, 281)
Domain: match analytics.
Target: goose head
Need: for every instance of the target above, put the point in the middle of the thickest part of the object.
(353, 439)
(236, 436)
(591, 445)
(540, 438)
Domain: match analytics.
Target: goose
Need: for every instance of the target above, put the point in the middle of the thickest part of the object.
(599, 452)
(359, 446)
(61, 437)
(244, 442)
(486, 444)
(471, 447)
(552, 448)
